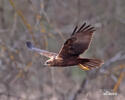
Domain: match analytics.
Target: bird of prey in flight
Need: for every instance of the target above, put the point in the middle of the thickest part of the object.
(69, 55)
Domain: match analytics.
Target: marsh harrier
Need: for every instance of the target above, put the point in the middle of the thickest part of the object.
(69, 55)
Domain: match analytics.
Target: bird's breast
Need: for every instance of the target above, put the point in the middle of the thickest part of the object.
(65, 62)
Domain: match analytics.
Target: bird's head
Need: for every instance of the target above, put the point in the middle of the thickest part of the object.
(49, 62)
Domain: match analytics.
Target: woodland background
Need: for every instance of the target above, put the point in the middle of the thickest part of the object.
(48, 23)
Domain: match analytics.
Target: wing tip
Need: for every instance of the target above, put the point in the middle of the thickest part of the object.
(86, 27)
(29, 44)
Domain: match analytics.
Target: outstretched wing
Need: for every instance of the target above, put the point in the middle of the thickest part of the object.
(41, 52)
(78, 42)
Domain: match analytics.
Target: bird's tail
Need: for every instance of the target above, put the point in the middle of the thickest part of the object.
(87, 64)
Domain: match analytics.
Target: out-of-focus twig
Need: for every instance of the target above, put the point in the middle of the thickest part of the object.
(104, 69)
(118, 12)
(77, 90)
(40, 24)
(119, 68)
(52, 25)
(122, 74)
(12, 95)
(11, 56)
(19, 12)
(2, 19)
(14, 24)
(119, 56)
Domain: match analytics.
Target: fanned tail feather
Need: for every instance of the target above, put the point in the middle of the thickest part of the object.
(88, 64)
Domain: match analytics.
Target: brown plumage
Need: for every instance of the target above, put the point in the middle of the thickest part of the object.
(77, 44)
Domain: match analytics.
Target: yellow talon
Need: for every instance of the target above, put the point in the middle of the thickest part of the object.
(83, 67)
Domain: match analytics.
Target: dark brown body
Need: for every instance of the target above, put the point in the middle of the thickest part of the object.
(66, 62)
(75, 61)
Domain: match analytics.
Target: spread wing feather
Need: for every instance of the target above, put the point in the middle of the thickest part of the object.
(41, 52)
(78, 42)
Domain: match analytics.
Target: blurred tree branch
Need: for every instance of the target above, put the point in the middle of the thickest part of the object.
(122, 75)
(118, 57)
(19, 12)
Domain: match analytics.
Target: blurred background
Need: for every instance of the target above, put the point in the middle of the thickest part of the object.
(47, 24)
